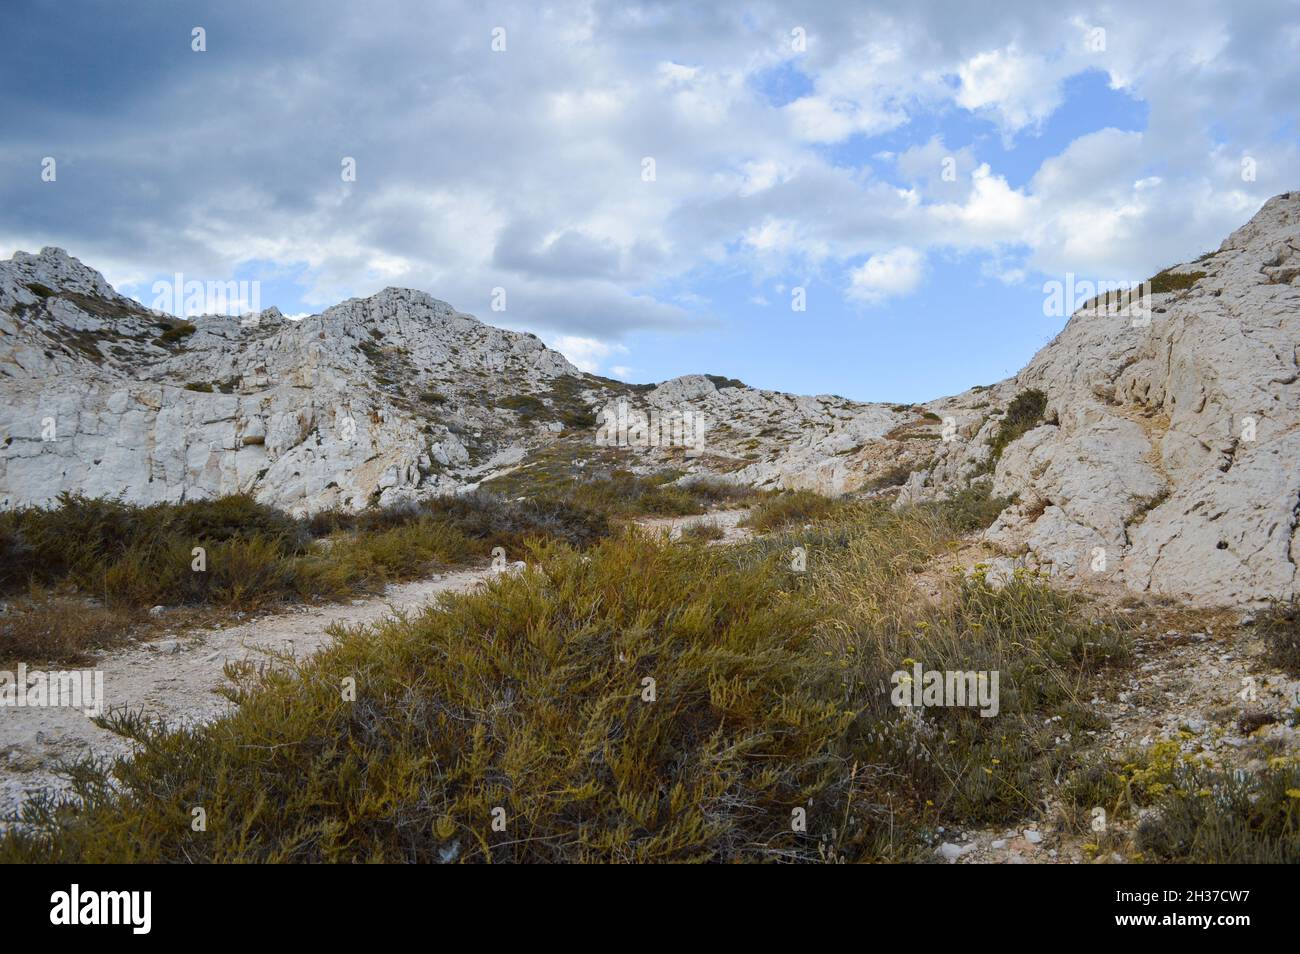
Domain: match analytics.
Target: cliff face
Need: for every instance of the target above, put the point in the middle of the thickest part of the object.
(1163, 453)
(1168, 456)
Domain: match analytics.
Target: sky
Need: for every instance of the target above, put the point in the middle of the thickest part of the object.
(859, 198)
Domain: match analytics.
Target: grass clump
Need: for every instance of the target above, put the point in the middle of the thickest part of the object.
(1222, 817)
(49, 627)
(970, 509)
(793, 507)
(1047, 648)
(702, 532)
(202, 386)
(1024, 413)
(1170, 281)
(894, 476)
(1280, 628)
(720, 493)
(624, 494)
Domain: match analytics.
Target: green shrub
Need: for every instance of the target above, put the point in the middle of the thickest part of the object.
(79, 540)
(176, 331)
(129, 558)
(1194, 812)
(971, 509)
(1170, 281)
(702, 532)
(1024, 413)
(714, 492)
(527, 696)
(482, 516)
(720, 382)
(526, 406)
(624, 494)
(792, 507)
(894, 476)
(1218, 817)
(46, 627)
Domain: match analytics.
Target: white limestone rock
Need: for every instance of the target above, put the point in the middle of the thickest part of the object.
(1169, 444)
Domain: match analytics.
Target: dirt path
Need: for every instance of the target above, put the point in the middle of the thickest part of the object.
(175, 677)
(728, 521)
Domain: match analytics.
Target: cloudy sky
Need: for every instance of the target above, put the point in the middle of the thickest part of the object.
(657, 186)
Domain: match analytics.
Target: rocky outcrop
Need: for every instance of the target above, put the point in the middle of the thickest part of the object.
(373, 400)
(1168, 455)
(1158, 451)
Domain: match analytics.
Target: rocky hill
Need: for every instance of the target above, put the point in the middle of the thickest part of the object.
(1160, 454)
(375, 400)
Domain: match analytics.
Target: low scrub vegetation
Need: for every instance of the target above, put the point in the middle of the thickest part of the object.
(628, 698)
(971, 509)
(641, 701)
(1184, 810)
(234, 553)
(894, 476)
(703, 532)
(49, 627)
(620, 494)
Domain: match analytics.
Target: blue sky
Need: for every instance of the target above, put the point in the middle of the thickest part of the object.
(796, 146)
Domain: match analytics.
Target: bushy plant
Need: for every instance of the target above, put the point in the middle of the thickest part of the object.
(1024, 413)
(792, 507)
(1279, 626)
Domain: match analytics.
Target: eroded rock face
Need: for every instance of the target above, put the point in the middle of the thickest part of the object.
(1168, 454)
(374, 400)
(770, 439)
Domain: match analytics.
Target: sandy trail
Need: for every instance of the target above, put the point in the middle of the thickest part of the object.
(174, 678)
(726, 520)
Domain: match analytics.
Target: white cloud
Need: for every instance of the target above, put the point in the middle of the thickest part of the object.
(886, 275)
(1019, 89)
(586, 353)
